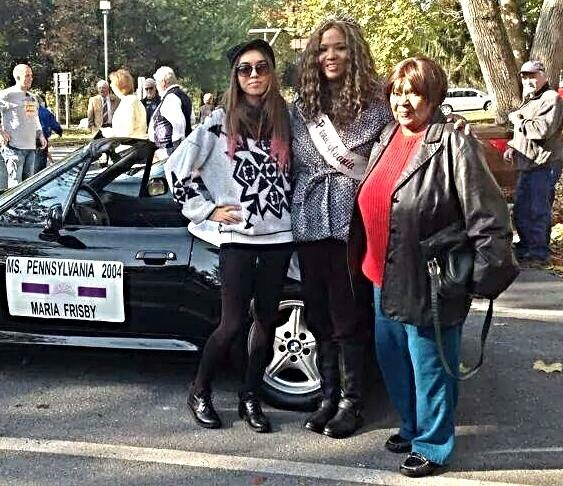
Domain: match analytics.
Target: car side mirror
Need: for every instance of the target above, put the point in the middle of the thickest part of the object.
(157, 186)
(53, 223)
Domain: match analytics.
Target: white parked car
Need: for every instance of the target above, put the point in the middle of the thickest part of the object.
(460, 99)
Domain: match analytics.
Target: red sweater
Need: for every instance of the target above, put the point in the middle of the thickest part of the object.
(375, 200)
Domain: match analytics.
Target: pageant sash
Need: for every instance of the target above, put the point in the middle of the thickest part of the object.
(336, 154)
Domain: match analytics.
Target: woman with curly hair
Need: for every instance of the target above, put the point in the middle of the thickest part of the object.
(339, 114)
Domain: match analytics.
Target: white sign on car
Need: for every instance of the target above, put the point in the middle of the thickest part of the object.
(65, 289)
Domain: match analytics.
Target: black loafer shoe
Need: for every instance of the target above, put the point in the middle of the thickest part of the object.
(250, 410)
(397, 444)
(417, 466)
(202, 408)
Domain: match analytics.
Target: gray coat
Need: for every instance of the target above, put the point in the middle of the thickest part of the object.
(323, 197)
(538, 141)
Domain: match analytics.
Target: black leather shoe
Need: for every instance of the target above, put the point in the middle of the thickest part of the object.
(347, 420)
(202, 408)
(250, 410)
(317, 421)
(397, 444)
(417, 466)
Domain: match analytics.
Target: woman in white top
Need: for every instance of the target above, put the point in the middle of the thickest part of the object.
(130, 117)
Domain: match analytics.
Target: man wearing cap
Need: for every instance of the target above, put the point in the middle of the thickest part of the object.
(536, 150)
(101, 107)
(171, 121)
(151, 99)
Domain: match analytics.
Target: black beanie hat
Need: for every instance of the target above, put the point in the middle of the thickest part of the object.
(260, 45)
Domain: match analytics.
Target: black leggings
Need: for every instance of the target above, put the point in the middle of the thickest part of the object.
(331, 311)
(246, 271)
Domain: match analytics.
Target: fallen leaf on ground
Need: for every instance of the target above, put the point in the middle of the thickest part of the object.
(258, 480)
(463, 369)
(548, 368)
(43, 405)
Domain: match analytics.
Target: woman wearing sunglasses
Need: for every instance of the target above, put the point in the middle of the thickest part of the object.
(241, 152)
(339, 114)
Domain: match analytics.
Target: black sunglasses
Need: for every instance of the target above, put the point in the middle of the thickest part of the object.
(245, 69)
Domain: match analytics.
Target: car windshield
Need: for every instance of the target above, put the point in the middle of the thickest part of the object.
(33, 208)
(29, 202)
(51, 171)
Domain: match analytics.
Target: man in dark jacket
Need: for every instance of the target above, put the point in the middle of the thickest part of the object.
(151, 99)
(49, 124)
(536, 150)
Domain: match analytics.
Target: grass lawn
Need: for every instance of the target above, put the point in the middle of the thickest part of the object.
(71, 136)
(478, 116)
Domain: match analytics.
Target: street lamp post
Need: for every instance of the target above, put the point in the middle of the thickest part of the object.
(105, 7)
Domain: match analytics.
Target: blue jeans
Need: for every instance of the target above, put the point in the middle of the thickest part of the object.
(419, 388)
(555, 176)
(18, 163)
(532, 212)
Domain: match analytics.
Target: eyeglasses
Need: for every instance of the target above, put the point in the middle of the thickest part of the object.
(150, 88)
(245, 69)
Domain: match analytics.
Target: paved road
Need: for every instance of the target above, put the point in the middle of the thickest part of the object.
(59, 152)
(106, 417)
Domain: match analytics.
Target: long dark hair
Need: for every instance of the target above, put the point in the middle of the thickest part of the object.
(359, 84)
(271, 121)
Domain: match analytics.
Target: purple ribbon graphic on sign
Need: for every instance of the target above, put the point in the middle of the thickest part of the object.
(99, 292)
(35, 288)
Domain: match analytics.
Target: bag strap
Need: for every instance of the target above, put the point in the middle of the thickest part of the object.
(434, 271)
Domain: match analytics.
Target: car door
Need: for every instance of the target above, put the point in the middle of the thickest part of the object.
(110, 279)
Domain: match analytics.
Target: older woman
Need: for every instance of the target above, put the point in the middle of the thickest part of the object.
(422, 177)
(130, 117)
(242, 154)
(339, 114)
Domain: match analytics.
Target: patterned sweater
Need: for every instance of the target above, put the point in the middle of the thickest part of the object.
(251, 180)
(323, 197)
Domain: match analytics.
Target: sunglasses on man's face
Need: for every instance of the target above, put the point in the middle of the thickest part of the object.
(150, 88)
(245, 69)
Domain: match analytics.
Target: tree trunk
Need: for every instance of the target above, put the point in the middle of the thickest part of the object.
(494, 53)
(548, 40)
(512, 21)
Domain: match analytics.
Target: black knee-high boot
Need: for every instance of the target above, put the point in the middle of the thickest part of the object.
(330, 383)
(348, 417)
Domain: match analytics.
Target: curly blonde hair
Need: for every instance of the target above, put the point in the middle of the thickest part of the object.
(359, 86)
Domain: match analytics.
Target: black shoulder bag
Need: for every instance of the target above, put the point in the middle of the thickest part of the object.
(449, 257)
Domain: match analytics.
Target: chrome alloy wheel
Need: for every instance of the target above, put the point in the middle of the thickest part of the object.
(293, 369)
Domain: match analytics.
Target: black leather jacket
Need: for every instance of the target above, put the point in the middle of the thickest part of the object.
(446, 181)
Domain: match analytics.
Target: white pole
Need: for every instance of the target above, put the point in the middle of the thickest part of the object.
(105, 12)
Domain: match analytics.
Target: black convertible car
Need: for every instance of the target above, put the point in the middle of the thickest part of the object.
(96, 253)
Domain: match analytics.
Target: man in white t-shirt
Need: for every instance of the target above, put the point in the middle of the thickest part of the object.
(20, 129)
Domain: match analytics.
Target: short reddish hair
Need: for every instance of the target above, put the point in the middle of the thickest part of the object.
(425, 76)
(123, 81)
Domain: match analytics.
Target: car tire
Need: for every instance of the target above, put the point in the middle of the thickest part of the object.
(291, 380)
(487, 106)
(446, 109)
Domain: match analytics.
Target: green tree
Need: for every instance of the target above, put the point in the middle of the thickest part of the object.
(22, 27)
